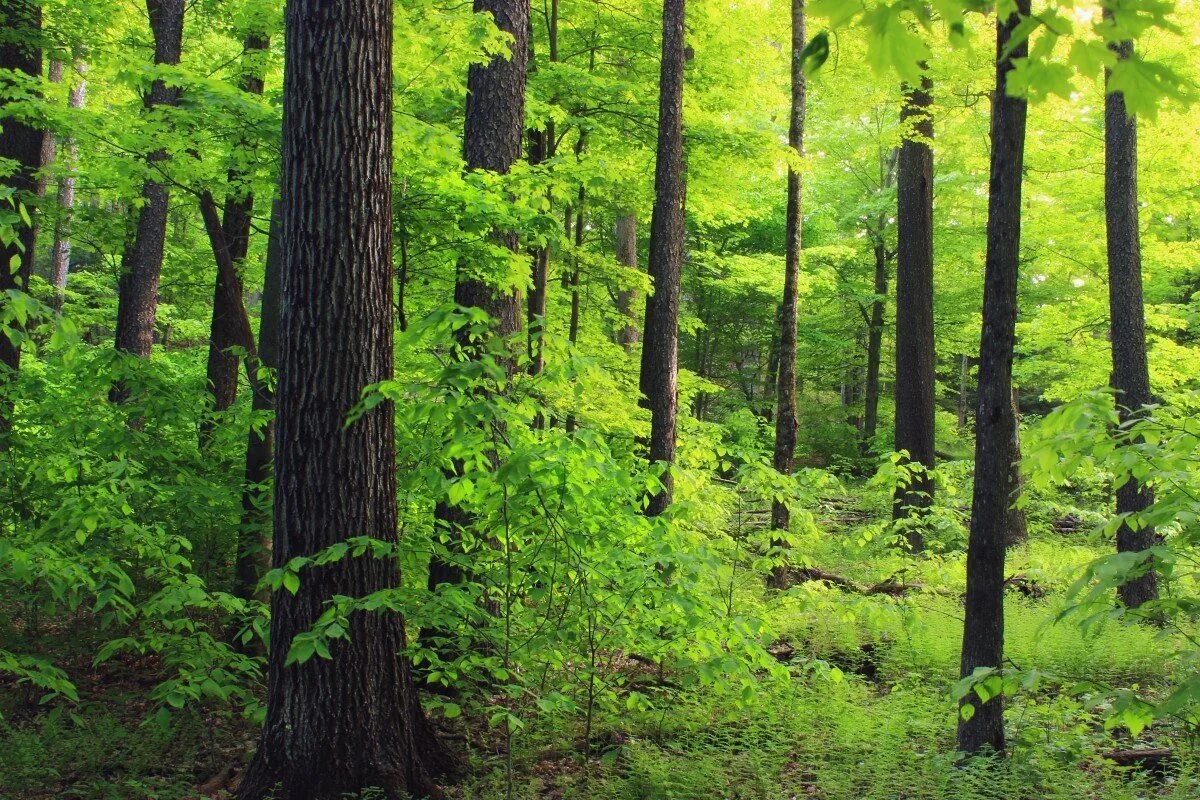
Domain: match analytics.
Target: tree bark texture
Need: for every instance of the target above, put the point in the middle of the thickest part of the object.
(625, 231)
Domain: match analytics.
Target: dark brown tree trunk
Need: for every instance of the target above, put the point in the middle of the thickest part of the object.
(1130, 372)
(785, 387)
(914, 301)
(340, 725)
(20, 52)
(660, 346)
(983, 629)
(875, 346)
(626, 246)
(239, 206)
(1018, 527)
(142, 261)
(60, 254)
(254, 533)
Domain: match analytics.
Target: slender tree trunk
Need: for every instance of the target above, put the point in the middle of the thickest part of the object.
(964, 375)
(239, 207)
(541, 148)
(141, 264)
(626, 246)
(875, 346)
(20, 143)
(573, 329)
(785, 388)
(340, 725)
(914, 301)
(60, 254)
(1018, 527)
(983, 630)
(1130, 372)
(660, 346)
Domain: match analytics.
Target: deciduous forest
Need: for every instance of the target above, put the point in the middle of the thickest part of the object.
(611, 399)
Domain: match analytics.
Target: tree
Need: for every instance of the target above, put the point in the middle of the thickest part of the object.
(660, 343)
(879, 250)
(785, 389)
(625, 232)
(342, 724)
(915, 380)
(983, 630)
(1130, 367)
(141, 264)
(22, 143)
(60, 252)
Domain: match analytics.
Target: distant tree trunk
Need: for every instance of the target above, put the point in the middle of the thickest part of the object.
(1018, 527)
(142, 261)
(626, 247)
(239, 207)
(21, 143)
(573, 329)
(541, 147)
(914, 301)
(874, 347)
(964, 375)
(341, 725)
(983, 630)
(785, 388)
(60, 254)
(254, 533)
(1130, 372)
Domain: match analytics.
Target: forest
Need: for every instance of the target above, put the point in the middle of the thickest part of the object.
(613, 399)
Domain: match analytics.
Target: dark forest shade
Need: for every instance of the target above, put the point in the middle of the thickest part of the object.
(660, 342)
(785, 388)
(20, 51)
(983, 629)
(141, 263)
(1130, 367)
(915, 380)
(340, 725)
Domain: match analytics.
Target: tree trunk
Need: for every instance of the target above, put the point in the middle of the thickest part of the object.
(660, 347)
(573, 329)
(875, 346)
(541, 148)
(60, 254)
(344, 724)
(141, 263)
(626, 246)
(964, 374)
(21, 143)
(983, 630)
(914, 301)
(239, 206)
(1130, 372)
(1018, 527)
(254, 533)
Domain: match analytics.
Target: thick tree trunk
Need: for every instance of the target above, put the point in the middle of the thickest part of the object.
(21, 143)
(983, 630)
(785, 388)
(1130, 372)
(239, 206)
(60, 253)
(141, 264)
(626, 247)
(1018, 527)
(341, 725)
(914, 300)
(660, 346)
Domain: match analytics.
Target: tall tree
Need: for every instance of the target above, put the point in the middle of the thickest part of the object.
(879, 249)
(785, 388)
(141, 263)
(660, 345)
(60, 253)
(239, 207)
(1130, 367)
(340, 725)
(625, 232)
(983, 629)
(22, 143)
(542, 145)
(914, 301)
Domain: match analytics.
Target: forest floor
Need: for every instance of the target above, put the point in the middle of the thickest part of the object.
(867, 712)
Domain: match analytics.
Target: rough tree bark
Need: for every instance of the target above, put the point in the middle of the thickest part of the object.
(239, 206)
(60, 253)
(983, 629)
(660, 344)
(341, 725)
(785, 387)
(625, 232)
(1130, 368)
(914, 301)
(20, 51)
(141, 263)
